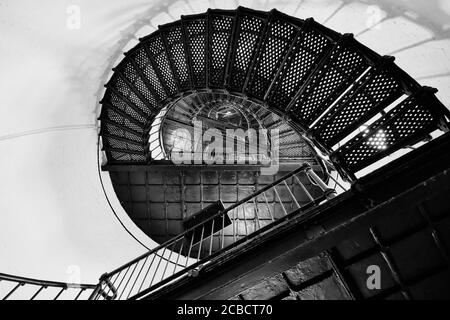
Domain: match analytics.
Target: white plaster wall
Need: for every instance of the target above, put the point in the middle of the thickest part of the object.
(53, 212)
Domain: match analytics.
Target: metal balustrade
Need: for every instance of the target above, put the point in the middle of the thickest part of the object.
(185, 254)
(13, 287)
(323, 84)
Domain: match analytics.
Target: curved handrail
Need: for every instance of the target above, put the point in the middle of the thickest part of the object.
(132, 280)
(41, 285)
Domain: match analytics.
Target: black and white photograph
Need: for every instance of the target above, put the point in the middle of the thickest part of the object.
(224, 158)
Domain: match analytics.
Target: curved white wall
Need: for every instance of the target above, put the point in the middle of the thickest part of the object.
(53, 213)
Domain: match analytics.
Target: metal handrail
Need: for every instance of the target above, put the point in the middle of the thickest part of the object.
(41, 285)
(148, 271)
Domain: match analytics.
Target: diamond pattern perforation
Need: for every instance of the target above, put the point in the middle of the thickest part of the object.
(226, 50)
(196, 39)
(300, 64)
(357, 107)
(133, 76)
(113, 130)
(250, 31)
(126, 157)
(119, 119)
(220, 37)
(343, 67)
(177, 54)
(156, 48)
(146, 68)
(408, 122)
(126, 100)
(280, 36)
(118, 144)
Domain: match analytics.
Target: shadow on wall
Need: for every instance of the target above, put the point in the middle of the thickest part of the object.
(381, 24)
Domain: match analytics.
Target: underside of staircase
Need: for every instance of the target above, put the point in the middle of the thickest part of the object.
(396, 218)
(311, 230)
(351, 104)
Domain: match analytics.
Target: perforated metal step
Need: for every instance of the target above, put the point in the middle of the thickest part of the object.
(324, 84)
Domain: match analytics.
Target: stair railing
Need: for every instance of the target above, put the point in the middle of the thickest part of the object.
(185, 254)
(14, 287)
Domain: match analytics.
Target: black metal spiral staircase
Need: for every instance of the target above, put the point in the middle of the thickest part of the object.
(354, 105)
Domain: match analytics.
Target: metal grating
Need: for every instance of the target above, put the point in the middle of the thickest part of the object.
(406, 124)
(127, 157)
(280, 36)
(112, 129)
(195, 30)
(343, 67)
(157, 52)
(250, 31)
(115, 117)
(221, 28)
(375, 92)
(119, 144)
(297, 67)
(325, 84)
(173, 37)
(143, 62)
(116, 103)
(125, 99)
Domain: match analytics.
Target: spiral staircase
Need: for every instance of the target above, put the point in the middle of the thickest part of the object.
(325, 85)
(338, 105)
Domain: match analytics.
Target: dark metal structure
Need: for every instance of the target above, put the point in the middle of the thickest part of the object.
(348, 105)
(397, 218)
(325, 85)
(225, 230)
(341, 107)
(161, 198)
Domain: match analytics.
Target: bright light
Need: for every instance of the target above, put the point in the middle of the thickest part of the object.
(378, 140)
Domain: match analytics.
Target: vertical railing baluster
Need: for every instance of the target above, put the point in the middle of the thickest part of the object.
(37, 292)
(212, 237)
(234, 225)
(124, 276)
(13, 290)
(245, 219)
(292, 195)
(279, 199)
(304, 189)
(178, 257)
(79, 293)
(268, 207)
(146, 273)
(128, 281)
(256, 213)
(200, 243)
(168, 260)
(157, 267)
(190, 248)
(137, 277)
(59, 293)
(223, 230)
